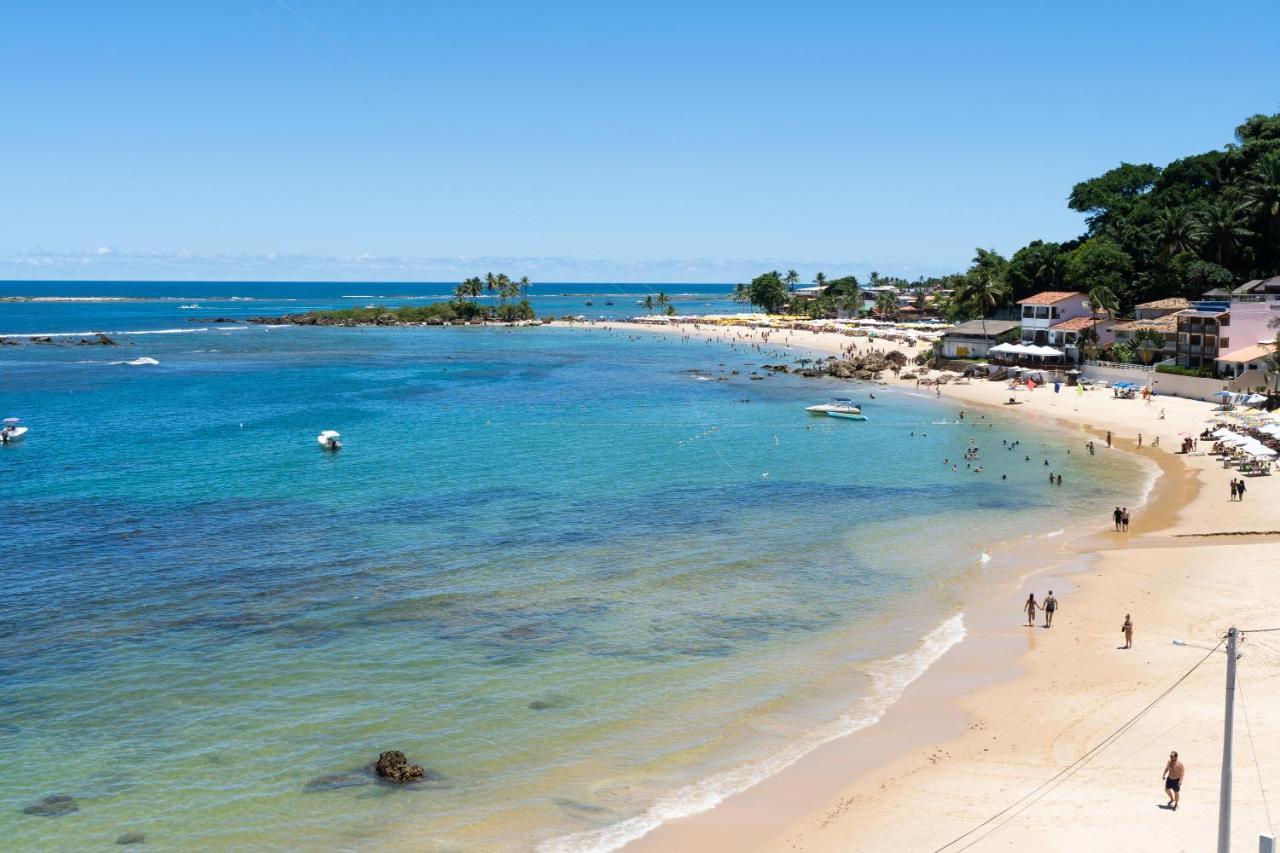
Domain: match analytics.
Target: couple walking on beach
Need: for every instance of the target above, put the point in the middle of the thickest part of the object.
(1121, 518)
(1049, 607)
(1237, 489)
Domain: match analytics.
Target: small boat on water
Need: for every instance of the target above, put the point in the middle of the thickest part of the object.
(330, 440)
(608, 302)
(854, 414)
(589, 302)
(833, 403)
(11, 431)
(188, 307)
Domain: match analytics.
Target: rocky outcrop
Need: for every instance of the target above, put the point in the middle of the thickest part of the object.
(394, 766)
(97, 340)
(132, 838)
(55, 805)
(212, 320)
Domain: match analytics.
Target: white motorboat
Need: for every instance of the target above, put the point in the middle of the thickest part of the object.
(853, 414)
(11, 431)
(834, 404)
(188, 307)
(330, 440)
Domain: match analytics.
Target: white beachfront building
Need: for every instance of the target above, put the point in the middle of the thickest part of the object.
(1051, 308)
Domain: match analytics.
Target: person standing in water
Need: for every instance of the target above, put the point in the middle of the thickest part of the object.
(1050, 605)
(1031, 607)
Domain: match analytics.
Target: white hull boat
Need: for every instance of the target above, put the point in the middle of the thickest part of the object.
(330, 440)
(9, 436)
(836, 404)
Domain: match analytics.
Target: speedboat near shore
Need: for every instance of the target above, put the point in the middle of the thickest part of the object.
(838, 407)
(330, 440)
(11, 431)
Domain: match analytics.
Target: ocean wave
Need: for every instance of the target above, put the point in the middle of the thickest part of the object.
(985, 558)
(1058, 532)
(137, 362)
(889, 679)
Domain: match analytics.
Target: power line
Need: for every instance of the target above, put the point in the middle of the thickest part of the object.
(1036, 794)
(1253, 747)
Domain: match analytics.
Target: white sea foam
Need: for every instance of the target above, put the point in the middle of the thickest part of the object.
(137, 362)
(985, 558)
(1058, 532)
(888, 680)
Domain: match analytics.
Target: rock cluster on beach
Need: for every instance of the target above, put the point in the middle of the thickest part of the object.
(866, 366)
(55, 805)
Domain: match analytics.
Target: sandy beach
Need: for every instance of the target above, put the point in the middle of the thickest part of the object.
(1026, 735)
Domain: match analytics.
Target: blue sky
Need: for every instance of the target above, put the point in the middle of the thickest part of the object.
(647, 141)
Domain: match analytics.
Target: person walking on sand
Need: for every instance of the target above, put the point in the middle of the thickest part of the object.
(1050, 605)
(1117, 517)
(1108, 438)
(1139, 441)
(1240, 490)
(1127, 630)
(1031, 607)
(1173, 773)
(1124, 520)
(1234, 489)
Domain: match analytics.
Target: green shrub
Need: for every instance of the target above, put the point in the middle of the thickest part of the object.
(1202, 372)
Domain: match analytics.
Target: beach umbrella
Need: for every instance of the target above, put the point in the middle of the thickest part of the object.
(1223, 394)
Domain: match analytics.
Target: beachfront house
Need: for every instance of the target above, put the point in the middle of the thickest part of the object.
(1212, 328)
(1066, 335)
(975, 338)
(1045, 310)
(1265, 289)
(1159, 318)
(1247, 366)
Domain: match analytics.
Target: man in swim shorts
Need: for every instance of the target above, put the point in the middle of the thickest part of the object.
(1173, 773)
(1050, 605)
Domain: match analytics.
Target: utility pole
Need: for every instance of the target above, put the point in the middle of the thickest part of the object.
(1224, 790)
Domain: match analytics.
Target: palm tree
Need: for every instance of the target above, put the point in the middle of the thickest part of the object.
(460, 293)
(524, 287)
(1102, 297)
(1272, 364)
(491, 285)
(1223, 225)
(984, 292)
(648, 303)
(792, 279)
(887, 303)
(1263, 192)
(662, 299)
(1177, 231)
(821, 280)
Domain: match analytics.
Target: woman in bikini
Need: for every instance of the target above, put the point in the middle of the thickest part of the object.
(1031, 607)
(1127, 628)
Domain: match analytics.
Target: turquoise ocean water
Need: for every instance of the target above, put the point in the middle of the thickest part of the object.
(583, 581)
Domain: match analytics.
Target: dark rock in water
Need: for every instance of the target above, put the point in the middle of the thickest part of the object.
(55, 805)
(132, 838)
(5, 342)
(545, 704)
(97, 340)
(394, 766)
(336, 781)
(43, 339)
(212, 320)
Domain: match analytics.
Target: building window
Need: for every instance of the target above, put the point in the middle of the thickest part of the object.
(1054, 312)
(1224, 342)
(1028, 312)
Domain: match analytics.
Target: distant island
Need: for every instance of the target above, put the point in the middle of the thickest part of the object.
(507, 304)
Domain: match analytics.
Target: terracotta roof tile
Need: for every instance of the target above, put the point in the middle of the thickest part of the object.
(1176, 302)
(1075, 324)
(1049, 297)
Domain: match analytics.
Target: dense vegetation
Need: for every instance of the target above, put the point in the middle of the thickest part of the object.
(1206, 221)
(506, 303)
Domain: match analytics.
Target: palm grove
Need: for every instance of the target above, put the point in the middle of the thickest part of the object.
(1203, 222)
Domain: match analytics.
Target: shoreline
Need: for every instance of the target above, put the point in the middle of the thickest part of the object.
(827, 799)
